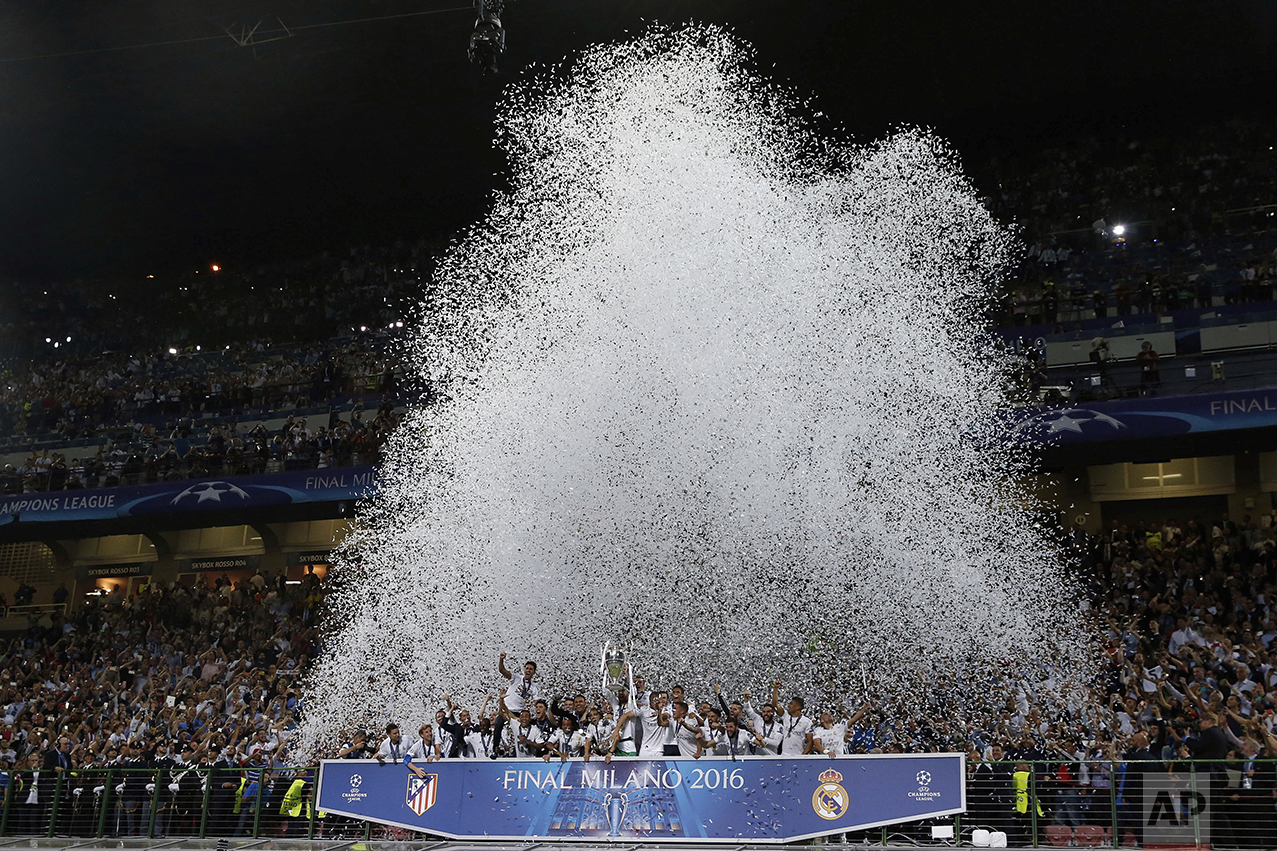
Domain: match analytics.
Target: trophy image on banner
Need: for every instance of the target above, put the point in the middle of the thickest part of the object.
(615, 669)
(616, 806)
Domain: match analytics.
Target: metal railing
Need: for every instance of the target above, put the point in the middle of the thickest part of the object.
(37, 609)
(1103, 803)
(194, 802)
(1059, 803)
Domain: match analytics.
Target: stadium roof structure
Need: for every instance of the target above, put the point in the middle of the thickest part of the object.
(143, 136)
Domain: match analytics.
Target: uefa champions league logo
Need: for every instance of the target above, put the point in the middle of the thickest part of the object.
(356, 781)
(211, 492)
(924, 786)
(1054, 422)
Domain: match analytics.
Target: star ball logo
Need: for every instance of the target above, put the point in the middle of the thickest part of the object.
(210, 492)
(923, 778)
(830, 799)
(1055, 422)
(355, 794)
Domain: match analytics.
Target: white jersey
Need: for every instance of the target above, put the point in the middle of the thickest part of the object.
(576, 744)
(392, 751)
(654, 735)
(558, 740)
(795, 732)
(534, 736)
(627, 729)
(600, 736)
(726, 747)
(685, 735)
(421, 751)
(521, 694)
(831, 738)
(507, 739)
(478, 744)
(771, 732)
(712, 738)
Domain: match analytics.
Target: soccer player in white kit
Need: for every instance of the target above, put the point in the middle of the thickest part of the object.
(827, 737)
(765, 728)
(426, 749)
(392, 748)
(600, 736)
(521, 694)
(626, 713)
(687, 733)
(796, 727)
(655, 721)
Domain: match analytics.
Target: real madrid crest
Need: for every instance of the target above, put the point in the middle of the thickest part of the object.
(830, 799)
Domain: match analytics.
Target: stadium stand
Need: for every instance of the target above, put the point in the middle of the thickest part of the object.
(178, 701)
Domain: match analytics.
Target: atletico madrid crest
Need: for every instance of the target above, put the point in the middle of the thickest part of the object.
(421, 792)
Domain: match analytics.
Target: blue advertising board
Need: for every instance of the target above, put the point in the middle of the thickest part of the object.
(191, 495)
(1146, 417)
(671, 800)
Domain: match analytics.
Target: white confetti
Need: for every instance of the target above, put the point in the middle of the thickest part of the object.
(712, 386)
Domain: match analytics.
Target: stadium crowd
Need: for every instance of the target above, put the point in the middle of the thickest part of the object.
(139, 455)
(173, 678)
(211, 676)
(1123, 227)
(110, 384)
(180, 705)
(331, 295)
(1184, 185)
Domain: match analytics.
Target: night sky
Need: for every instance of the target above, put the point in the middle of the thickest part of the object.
(164, 158)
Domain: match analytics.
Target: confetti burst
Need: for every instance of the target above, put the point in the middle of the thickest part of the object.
(710, 384)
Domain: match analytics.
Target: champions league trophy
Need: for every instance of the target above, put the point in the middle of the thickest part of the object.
(616, 806)
(613, 668)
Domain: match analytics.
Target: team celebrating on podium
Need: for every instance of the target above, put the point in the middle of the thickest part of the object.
(634, 720)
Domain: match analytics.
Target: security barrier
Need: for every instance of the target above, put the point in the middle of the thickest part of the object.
(1180, 804)
(1060, 803)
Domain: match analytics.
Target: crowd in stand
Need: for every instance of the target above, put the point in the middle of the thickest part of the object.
(171, 379)
(210, 676)
(1084, 206)
(74, 399)
(1182, 185)
(173, 678)
(331, 295)
(138, 454)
